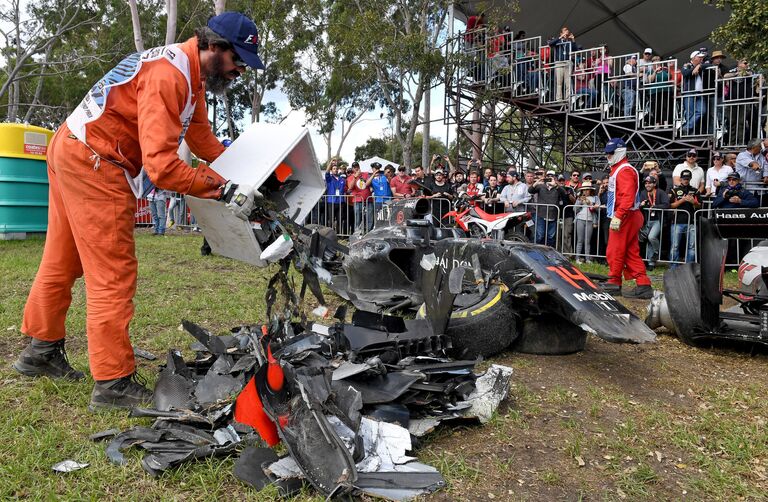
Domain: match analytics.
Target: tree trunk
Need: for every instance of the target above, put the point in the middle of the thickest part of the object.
(14, 98)
(39, 88)
(425, 129)
(170, 26)
(137, 38)
(230, 123)
(255, 105)
(219, 6)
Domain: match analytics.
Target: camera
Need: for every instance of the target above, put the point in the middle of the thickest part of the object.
(548, 179)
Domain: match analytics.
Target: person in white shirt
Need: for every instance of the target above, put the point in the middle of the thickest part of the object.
(751, 165)
(716, 174)
(698, 176)
(515, 193)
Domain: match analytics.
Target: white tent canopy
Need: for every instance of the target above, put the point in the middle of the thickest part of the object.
(365, 165)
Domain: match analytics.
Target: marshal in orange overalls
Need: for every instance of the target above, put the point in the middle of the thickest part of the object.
(91, 204)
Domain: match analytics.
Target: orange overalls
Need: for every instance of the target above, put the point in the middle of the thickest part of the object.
(91, 204)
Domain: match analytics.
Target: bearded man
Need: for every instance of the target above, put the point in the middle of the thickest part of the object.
(118, 144)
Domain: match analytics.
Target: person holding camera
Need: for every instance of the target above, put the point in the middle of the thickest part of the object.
(335, 185)
(548, 196)
(561, 47)
(586, 211)
(652, 199)
(440, 162)
(716, 175)
(733, 195)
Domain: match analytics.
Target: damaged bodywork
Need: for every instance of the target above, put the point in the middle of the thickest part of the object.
(694, 292)
(343, 399)
(522, 295)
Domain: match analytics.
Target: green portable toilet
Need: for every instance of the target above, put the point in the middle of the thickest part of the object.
(23, 180)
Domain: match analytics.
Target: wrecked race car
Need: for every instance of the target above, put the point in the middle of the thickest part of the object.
(510, 294)
(694, 292)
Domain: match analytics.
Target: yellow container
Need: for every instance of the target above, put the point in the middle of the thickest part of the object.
(23, 141)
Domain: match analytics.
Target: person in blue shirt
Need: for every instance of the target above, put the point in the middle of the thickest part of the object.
(733, 195)
(332, 212)
(381, 192)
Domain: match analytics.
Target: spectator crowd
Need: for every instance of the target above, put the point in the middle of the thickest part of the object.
(640, 85)
(567, 208)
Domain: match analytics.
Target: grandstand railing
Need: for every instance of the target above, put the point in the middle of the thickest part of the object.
(657, 95)
(525, 68)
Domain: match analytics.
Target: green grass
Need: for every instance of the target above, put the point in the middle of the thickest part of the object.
(44, 421)
(715, 447)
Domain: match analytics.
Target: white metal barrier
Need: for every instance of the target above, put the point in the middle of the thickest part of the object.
(526, 65)
(730, 109)
(588, 67)
(657, 92)
(472, 45)
(739, 103)
(498, 60)
(619, 90)
(546, 223)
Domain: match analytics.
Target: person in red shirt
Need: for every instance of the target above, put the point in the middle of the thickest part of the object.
(474, 187)
(623, 252)
(401, 184)
(359, 191)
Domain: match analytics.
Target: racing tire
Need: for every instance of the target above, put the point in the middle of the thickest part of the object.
(551, 335)
(327, 232)
(484, 328)
(681, 289)
(515, 236)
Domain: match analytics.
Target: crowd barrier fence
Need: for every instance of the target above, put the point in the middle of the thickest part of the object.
(553, 225)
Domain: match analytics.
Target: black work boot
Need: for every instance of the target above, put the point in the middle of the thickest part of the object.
(611, 288)
(125, 392)
(41, 358)
(640, 292)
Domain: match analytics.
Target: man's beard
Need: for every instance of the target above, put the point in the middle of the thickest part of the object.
(218, 82)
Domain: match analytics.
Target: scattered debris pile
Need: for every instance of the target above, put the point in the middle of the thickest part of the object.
(344, 400)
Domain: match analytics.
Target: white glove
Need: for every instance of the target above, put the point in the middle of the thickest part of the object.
(240, 199)
(615, 224)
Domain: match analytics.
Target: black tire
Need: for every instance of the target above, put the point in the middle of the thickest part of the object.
(551, 335)
(681, 288)
(484, 328)
(515, 236)
(324, 231)
(476, 232)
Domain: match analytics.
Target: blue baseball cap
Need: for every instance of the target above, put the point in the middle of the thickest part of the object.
(614, 144)
(241, 32)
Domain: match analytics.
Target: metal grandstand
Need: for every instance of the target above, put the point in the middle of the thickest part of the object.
(504, 90)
